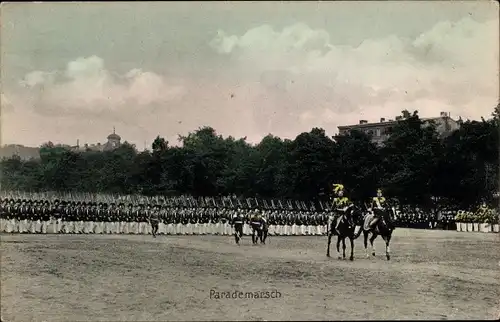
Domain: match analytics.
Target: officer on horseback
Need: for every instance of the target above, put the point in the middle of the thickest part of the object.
(379, 206)
(341, 205)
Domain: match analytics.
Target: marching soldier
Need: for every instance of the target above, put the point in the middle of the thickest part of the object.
(154, 220)
(237, 222)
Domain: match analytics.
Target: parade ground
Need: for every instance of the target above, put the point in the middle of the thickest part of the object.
(432, 275)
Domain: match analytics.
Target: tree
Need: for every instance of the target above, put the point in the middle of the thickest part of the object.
(410, 157)
(310, 164)
(357, 165)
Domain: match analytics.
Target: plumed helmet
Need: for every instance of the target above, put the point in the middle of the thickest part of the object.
(338, 187)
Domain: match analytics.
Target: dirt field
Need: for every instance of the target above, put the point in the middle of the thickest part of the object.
(431, 275)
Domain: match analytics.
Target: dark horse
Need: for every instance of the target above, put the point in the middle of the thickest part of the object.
(383, 227)
(346, 229)
(259, 230)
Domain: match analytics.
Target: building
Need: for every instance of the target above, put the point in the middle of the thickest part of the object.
(114, 141)
(380, 131)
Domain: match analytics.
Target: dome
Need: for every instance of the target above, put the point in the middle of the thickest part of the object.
(114, 136)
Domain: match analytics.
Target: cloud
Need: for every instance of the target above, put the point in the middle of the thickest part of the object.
(87, 85)
(269, 81)
(452, 66)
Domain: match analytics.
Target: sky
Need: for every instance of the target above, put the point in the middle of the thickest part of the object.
(72, 71)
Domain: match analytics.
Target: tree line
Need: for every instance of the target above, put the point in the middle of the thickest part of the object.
(414, 166)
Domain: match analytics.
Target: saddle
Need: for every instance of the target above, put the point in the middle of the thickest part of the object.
(369, 219)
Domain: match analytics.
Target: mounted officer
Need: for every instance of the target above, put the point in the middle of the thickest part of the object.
(379, 207)
(341, 205)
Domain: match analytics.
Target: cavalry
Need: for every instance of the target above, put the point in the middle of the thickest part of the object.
(373, 220)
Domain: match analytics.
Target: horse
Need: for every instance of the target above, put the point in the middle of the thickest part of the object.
(346, 229)
(259, 230)
(383, 227)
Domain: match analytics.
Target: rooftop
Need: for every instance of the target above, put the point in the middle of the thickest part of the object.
(384, 122)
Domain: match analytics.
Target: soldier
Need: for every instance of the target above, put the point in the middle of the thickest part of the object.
(11, 216)
(169, 221)
(200, 213)
(101, 213)
(304, 223)
(45, 217)
(127, 218)
(22, 221)
(140, 217)
(95, 213)
(84, 217)
(161, 219)
(341, 204)
(316, 222)
(294, 222)
(238, 221)
(75, 213)
(212, 223)
(205, 221)
(64, 217)
(154, 219)
(378, 206)
(186, 221)
(194, 222)
(178, 220)
(136, 215)
(32, 217)
(3, 215)
(117, 220)
(222, 225)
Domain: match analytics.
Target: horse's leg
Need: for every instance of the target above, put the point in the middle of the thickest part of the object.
(365, 241)
(387, 240)
(338, 247)
(329, 242)
(343, 247)
(352, 248)
(374, 235)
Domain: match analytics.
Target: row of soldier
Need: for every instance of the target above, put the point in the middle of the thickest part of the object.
(37, 216)
(44, 216)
